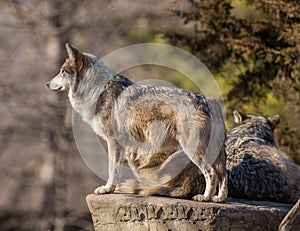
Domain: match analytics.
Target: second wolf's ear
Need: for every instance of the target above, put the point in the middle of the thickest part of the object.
(238, 117)
(273, 121)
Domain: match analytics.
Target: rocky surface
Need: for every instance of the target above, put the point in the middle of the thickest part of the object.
(131, 212)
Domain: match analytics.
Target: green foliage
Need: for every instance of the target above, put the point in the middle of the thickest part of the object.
(253, 49)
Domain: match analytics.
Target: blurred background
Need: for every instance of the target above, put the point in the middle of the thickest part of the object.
(252, 47)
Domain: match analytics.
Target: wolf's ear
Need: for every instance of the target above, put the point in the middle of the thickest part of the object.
(273, 121)
(73, 53)
(238, 117)
(75, 56)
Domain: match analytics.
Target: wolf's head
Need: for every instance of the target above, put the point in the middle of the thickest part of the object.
(260, 127)
(79, 68)
(70, 71)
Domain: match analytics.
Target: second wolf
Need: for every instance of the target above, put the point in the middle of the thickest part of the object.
(145, 124)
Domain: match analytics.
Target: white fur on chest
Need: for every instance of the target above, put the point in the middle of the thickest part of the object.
(87, 113)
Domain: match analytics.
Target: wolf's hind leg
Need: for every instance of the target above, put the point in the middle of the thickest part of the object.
(222, 194)
(220, 167)
(210, 185)
(208, 171)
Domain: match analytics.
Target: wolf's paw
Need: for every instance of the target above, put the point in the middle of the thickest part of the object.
(104, 189)
(200, 197)
(217, 199)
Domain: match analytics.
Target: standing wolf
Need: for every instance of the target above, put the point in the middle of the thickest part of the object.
(145, 124)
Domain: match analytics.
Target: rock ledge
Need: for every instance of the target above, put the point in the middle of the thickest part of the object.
(132, 212)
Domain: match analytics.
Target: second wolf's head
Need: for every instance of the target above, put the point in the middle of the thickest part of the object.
(251, 126)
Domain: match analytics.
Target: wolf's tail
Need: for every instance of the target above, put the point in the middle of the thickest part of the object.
(157, 180)
(132, 186)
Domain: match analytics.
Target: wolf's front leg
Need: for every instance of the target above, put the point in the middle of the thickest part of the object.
(114, 157)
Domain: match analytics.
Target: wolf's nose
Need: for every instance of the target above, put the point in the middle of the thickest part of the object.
(48, 84)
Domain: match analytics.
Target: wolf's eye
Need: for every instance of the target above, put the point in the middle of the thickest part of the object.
(69, 71)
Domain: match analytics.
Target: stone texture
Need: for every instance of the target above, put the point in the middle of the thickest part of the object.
(131, 212)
